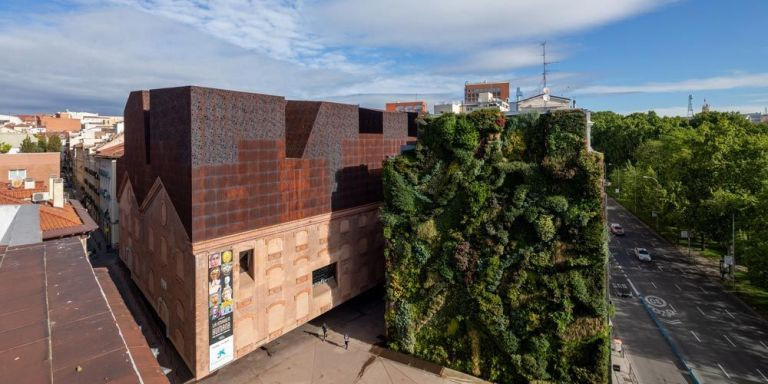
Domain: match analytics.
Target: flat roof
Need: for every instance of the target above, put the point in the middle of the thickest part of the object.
(56, 324)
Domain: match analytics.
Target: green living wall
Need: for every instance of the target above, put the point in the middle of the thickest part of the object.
(496, 248)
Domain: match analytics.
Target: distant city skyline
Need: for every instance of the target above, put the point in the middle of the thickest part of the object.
(625, 56)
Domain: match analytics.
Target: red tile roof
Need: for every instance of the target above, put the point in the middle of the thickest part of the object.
(112, 152)
(72, 219)
(21, 193)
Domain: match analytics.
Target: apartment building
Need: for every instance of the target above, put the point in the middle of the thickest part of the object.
(243, 216)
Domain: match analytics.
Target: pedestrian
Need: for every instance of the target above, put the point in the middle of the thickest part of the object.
(325, 332)
(346, 341)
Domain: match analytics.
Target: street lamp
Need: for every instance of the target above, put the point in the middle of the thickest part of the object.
(657, 200)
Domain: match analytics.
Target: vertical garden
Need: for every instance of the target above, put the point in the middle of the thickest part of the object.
(496, 248)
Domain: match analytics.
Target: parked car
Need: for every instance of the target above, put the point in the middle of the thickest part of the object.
(617, 229)
(642, 254)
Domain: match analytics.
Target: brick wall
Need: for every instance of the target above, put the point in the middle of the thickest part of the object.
(38, 165)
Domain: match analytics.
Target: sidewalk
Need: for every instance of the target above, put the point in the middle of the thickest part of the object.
(301, 356)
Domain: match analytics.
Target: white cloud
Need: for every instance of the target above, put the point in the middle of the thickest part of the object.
(755, 80)
(441, 25)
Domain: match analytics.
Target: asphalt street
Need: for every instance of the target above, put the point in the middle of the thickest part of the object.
(719, 338)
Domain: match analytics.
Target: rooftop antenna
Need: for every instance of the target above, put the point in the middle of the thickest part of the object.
(544, 62)
(690, 105)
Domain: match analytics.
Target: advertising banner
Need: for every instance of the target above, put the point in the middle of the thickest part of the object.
(220, 305)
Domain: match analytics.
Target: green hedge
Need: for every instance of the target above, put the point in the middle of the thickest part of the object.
(496, 248)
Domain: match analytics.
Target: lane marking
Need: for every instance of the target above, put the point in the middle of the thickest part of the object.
(722, 369)
(678, 287)
(694, 335)
(761, 374)
(660, 268)
(702, 289)
(673, 308)
(633, 287)
(702, 312)
(729, 340)
(654, 285)
(729, 314)
(763, 344)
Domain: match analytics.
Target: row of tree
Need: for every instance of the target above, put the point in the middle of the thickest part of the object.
(43, 144)
(698, 174)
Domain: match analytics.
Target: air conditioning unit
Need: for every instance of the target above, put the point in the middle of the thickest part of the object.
(39, 197)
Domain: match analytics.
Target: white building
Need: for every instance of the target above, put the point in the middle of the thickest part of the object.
(440, 109)
(486, 100)
(543, 102)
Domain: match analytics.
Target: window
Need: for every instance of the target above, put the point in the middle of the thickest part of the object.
(324, 274)
(17, 174)
(246, 258)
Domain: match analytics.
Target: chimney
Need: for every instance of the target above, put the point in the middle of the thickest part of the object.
(29, 183)
(51, 178)
(58, 193)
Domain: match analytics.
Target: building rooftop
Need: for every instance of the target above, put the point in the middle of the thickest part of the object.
(53, 222)
(57, 324)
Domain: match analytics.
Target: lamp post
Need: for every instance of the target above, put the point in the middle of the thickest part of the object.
(657, 201)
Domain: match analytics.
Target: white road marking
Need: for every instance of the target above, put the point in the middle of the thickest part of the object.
(764, 346)
(722, 369)
(633, 287)
(654, 285)
(660, 268)
(702, 312)
(761, 375)
(729, 314)
(673, 307)
(702, 289)
(678, 287)
(694, 335)
(729, 340)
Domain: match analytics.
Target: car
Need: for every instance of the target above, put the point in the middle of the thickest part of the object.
(617, 229)
(642, 254)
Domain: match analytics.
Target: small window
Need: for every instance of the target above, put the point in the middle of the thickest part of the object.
(324, 274)
(246, 259)
(17, 174)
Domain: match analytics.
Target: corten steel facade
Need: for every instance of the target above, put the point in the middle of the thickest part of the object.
(231, 203)
(472, 90)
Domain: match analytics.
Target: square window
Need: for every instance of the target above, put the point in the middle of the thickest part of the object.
(246, 261)
(324, 274)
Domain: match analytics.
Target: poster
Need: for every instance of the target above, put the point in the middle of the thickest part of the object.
(220, 305)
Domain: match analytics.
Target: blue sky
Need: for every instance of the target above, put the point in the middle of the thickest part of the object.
(621, 55)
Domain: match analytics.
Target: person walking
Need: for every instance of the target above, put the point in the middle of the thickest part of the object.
(325, 332)
(346, 341)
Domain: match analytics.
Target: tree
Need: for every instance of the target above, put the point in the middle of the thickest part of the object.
(54, 144)
(4, 147)
(42, 143)
(27, 146)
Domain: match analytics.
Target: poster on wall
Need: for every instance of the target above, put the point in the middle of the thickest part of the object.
(220, 304)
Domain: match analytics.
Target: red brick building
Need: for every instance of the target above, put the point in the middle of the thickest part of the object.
(38, 166)
(471, 91)
(245, 215)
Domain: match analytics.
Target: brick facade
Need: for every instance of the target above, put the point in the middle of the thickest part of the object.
(39, 166)
(297, 182)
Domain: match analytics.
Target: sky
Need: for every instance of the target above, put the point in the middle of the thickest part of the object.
(620, 55)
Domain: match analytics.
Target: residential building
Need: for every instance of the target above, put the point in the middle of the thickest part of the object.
(243, 216)
(21, 166)
(59, 122)
(756, 117)
(440, 109)
(107, 214)
(63, 321)
(498, 90)
(486, 100)
(419, 107)
(543, 102)
(14, 139)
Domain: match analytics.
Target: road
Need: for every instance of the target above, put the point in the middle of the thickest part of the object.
(721, 340)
